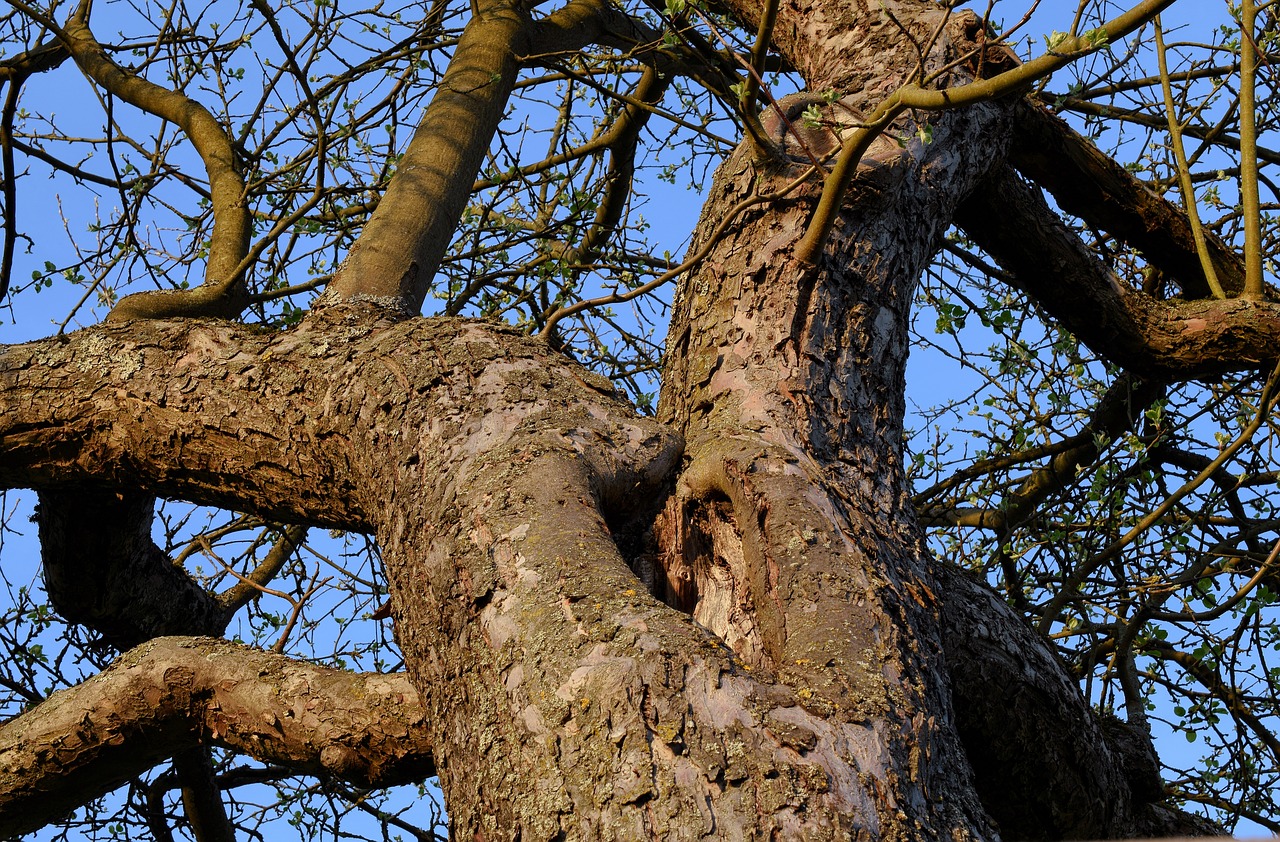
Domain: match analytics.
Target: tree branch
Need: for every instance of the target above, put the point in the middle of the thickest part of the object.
(201, 797)
(1211, 134)
(1091, 185)
(1011, 693)
(1173, 340)
(1118, 411)
(173, 694)
(397, 254)
(250, 586)
(102, 569)
(223, 292)
(914, 95)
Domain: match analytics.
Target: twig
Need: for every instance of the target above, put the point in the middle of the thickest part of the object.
(1184, 171)
(618, 297)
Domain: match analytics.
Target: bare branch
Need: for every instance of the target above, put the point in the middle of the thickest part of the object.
(405, 239)
(222, 292)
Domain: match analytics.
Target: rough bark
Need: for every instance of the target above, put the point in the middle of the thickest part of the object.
(786, 382)
(611, 643)
(485, 462)
(174, 694)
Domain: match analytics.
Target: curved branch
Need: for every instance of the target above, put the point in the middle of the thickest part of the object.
(913, 96)
(223, 292)
(103, 570)
(173, 694)
(618, 179)
(581, 22)
(250, 586)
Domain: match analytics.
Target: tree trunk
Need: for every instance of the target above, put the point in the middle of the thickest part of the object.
(726, 624)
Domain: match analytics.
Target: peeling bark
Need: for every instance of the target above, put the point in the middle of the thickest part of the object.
(725, 623)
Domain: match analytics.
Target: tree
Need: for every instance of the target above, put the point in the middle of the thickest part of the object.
(719, 616)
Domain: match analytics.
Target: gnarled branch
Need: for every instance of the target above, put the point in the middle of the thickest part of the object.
(173, 694)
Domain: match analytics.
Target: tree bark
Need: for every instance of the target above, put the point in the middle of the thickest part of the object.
(502, 482)
(102, 570)
(724, 624)
(171, 695)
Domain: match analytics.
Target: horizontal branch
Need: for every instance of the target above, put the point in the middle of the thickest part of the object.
(300, 426)
(1174, 340)
(173, 694)
(187, 409)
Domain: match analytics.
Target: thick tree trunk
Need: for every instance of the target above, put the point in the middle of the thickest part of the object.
(811, 700)
(791, 535)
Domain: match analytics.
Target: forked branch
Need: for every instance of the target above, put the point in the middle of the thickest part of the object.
(913, 95)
